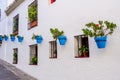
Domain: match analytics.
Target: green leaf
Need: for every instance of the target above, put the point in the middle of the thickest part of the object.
(56, 33)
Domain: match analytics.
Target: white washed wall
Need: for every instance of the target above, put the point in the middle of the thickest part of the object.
(3, 5)
(70, 16)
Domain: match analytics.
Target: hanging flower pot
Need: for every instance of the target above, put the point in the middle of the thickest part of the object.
(39, 39)
(101, 41)
(99, 31)
(6, 38)
(20, 39)
(58, 35)
(1, 38)
(12, 37)
(62, 40)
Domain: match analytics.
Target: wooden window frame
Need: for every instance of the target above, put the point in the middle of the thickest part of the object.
(0, 42)
(33, 52)
(53, 49)
(35, 22)
(15, 50)
(81, 40)
(16, 18)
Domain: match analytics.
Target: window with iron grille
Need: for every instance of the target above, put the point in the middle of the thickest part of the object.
(0, 42)
(15, 24)
(33, 14)
(15, 55)
(33, 54)
(53, 49)
(81, 46)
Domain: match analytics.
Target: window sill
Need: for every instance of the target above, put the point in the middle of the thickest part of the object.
(81, 56)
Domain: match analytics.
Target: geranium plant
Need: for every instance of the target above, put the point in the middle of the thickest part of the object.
(84, 51)
(99, 31)
(102, 28)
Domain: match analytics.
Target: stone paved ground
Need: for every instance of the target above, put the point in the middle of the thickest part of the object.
(6, 74)
(9, 72)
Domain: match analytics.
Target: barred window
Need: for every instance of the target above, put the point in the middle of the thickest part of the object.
(0, 42)
(33, 14)
(81, 46)
(15, 55)
(33, 54)
(15, 24)
(53, 49)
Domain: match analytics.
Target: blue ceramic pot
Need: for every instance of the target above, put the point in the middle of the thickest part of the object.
(12, 38)
(101, 41)
(1, 38)
(62, 40)
(6, 38)
(39, 39)
(20, 39)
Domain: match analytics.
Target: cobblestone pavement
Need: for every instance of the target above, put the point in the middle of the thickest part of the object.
(6, 74)
(10, 72)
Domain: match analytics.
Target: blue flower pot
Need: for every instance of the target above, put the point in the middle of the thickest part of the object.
(39, 39)
(6, 38)
(101, 41)
(12, 38)
(20, 39)
(62, 40)
(1, 38)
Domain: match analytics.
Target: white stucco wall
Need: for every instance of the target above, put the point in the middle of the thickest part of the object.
(3, 19)
(70, 16)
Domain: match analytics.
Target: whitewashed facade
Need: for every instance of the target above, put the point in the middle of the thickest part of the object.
(69, 16)
(3, 30)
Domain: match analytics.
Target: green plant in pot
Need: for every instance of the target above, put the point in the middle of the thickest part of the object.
(1, 37)
(15, 27)
(38, 38)
(34, 59)
(32, 15)
(83, 51)
(99, 31)
(20, 38)
(5, 37)
(56, 34)
(12, 37)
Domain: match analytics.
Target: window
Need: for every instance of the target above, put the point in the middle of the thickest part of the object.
(32, 15)
(15, 55)
(81, 46)
(0, 42)
(33, 54)
(53, 49)
(15, 24)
